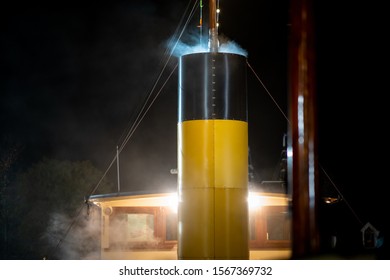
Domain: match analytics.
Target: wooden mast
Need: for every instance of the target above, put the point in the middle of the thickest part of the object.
(213, 31)
(302, 150)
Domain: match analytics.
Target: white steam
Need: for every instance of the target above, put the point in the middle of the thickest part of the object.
(74, 239)
(198, 44)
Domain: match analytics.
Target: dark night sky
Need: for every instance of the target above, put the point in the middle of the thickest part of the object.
(72, 80)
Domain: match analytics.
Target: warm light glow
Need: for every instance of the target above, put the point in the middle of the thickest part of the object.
(173, 202)
(330, 200)
(255, 201)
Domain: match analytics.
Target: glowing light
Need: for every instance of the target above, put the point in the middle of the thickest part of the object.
(255, 201)
(289, 152)
(173, 202)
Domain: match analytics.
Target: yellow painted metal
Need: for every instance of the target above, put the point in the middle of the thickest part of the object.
(231, 224)
(213, 189)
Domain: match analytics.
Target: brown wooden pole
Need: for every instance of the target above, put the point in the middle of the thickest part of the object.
(213, 31)
(302, 150)
(212, 14)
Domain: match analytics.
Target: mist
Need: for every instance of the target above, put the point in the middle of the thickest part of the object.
(198, 43)
(74, 238)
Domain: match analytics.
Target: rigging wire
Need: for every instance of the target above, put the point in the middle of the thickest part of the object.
(141, 117)
(149, 101)
(74, 220)
(150, 98)
(288, 121)
(341, 195)
(144, 109)
(269, 94)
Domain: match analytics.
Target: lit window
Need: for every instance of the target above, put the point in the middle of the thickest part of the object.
(156, 228)
(270, 228)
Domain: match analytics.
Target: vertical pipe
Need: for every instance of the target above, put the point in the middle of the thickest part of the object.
(212, 157)
(213, 14)
(213, 31)
(117, 169)
(302, 150)
(200, 22)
